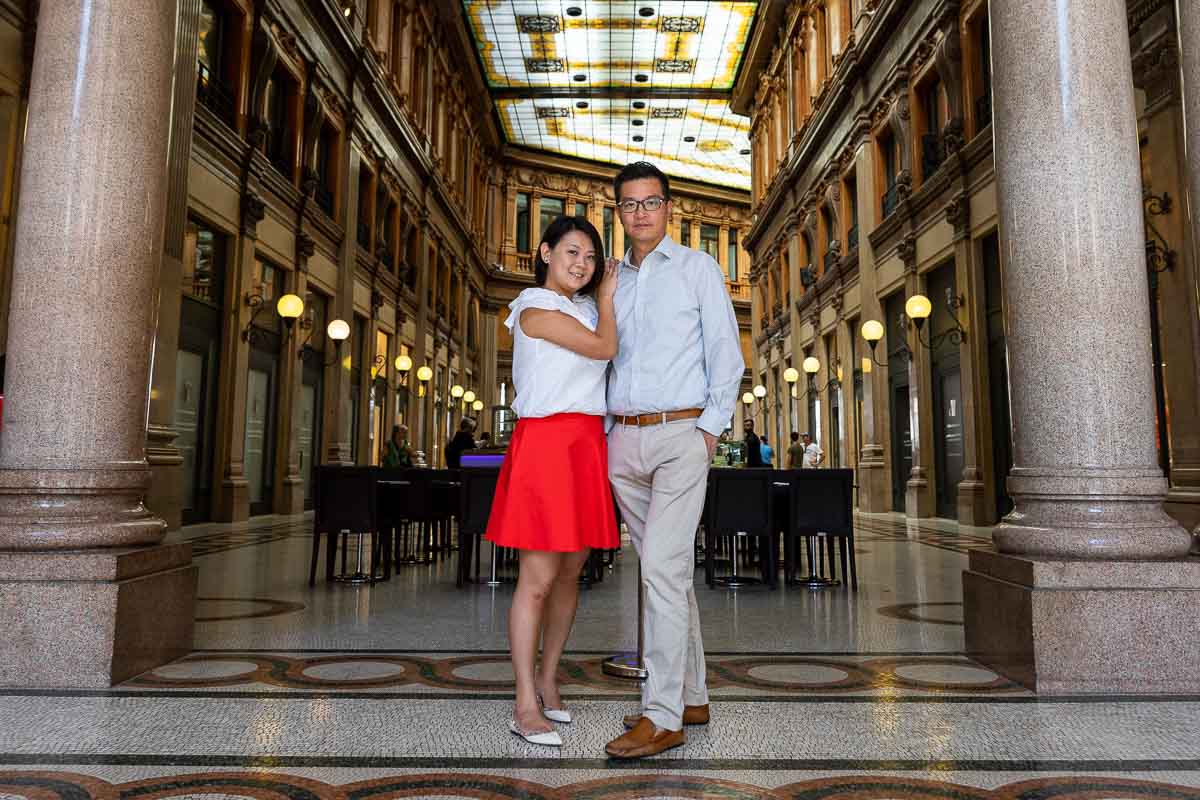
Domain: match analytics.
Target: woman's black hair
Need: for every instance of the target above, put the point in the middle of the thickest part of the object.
(554, 233)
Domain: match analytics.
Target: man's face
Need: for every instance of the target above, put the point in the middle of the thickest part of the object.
(747, 426)
(807, 440)
(642, 226)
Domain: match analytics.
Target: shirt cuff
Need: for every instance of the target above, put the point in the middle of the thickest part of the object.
(712, 421)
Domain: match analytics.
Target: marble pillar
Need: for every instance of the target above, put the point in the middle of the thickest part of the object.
(1090, 591)
(1188, 24)
(88, 595)
(874, 488)
(166, 462)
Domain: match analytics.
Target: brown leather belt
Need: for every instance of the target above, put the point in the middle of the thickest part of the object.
(659, 417)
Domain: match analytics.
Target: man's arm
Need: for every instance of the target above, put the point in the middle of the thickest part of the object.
(723, 363)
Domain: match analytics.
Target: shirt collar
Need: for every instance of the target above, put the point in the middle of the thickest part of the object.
(667, 247)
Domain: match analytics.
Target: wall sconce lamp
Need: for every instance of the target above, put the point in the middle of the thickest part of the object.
(468, 400)
(918, 308)
(748, 398)
(477, 405)
(872, 331)
(811, 366)
(424, 375)
(338, 331)
(760, 392)
(403, 365)
(289, 307)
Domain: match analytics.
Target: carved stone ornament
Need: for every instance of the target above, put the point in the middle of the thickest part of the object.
(254, 211)
(305, 247)
(958, 214)
(907, 250)
(904, 185)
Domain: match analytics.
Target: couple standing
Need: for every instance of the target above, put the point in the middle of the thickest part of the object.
(664, 321)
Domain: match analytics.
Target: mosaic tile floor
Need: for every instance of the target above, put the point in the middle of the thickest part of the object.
(403, 689)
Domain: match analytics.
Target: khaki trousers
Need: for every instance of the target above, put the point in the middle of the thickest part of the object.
(659, 473)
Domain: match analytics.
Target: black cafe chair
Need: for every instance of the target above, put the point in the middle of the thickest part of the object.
(822, 506)
(344, 501)
(738, 504)
(478, 487)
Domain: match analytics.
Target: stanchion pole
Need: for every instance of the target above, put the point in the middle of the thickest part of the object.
(631, 665)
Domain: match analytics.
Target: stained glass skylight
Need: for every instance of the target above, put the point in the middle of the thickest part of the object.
(620, 80)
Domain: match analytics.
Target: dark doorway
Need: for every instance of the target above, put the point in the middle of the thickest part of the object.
(898, 361)
(947, 390)
(197, 367)
(1002, 454)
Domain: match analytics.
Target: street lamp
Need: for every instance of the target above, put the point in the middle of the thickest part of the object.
(872, 331)
(477, 405)
(790, 375)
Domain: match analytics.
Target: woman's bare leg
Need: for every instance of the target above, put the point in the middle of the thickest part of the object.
(557, 620)
(535, 583)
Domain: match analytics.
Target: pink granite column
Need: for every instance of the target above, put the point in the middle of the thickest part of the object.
(88, 245)
(1189, 37)
(1086, 480)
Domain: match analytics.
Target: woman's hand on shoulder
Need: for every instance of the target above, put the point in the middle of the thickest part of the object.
(608, 284)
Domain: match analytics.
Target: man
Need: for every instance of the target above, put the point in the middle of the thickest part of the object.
(795, 453)
(813, 455)
(768, 453)
(463, 441)
(753, 445)
(671, 392)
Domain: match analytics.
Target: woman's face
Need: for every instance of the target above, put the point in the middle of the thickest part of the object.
(571, 263)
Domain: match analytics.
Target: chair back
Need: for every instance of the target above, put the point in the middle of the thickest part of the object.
(344, 499)
(740, 500)
(478, 489)
(445, 487)
(822, 501)
(401, 495)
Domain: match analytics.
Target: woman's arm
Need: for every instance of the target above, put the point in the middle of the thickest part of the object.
(566, 331)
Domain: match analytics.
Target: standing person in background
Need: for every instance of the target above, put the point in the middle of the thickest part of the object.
(752, 444)
(813, 455)
(795, 453)
(768, 454)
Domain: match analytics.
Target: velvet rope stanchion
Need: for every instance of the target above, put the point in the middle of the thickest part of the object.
(630, 665)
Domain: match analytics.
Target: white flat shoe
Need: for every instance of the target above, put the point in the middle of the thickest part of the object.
(547, 738)
(554, 714)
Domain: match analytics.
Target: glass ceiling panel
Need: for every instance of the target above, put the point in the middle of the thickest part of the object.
(699, 139)
(555, 66)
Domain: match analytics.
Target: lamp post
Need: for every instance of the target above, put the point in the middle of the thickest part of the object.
(468, 400)
(760, 392)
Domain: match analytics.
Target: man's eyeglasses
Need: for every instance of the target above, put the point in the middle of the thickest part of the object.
(650, 204)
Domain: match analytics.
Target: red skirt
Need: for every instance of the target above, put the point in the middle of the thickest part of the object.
(553, 493)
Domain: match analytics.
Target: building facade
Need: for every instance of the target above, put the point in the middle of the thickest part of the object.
(874, 181)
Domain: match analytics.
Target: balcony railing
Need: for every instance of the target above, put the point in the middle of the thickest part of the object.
(214, 95)
(890, 198)
(739, 291)
(525, 264)
(364, 234)
(852, 238)
(932, 154)
(983, 111)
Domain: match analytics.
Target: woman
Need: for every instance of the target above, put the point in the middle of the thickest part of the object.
(553, 502)
(397, 452)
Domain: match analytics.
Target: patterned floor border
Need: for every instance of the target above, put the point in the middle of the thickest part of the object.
(389, 671)
(35, 785)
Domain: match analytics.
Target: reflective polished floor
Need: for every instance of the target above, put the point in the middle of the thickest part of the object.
(403, 689)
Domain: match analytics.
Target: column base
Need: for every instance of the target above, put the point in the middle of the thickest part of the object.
(1080, 627)
(918, 499)
(873, 489)
(290, 499)
(94, 618)
(1183, 503)
(973, 506)
(164, 494)
(232, 502)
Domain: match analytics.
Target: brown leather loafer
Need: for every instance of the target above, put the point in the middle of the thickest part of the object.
(692, 715)
(644, 740)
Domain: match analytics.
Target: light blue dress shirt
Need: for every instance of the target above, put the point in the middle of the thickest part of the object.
(678, 343)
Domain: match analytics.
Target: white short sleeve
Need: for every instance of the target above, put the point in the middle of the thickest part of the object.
(532, 298)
